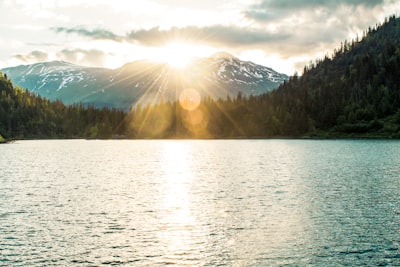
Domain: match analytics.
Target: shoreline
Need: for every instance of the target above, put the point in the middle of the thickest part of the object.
(7, 141)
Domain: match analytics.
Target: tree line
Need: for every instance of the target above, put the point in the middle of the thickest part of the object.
(26, 115)
(353, 93)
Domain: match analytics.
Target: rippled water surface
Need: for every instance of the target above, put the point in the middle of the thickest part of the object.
(200, 203)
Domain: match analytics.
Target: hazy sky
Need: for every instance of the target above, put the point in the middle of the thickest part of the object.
(282, 34)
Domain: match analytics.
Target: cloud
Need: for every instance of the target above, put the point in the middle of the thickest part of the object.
(97, 34)
(312, 4)
(295, 31)
(32, 56)
(320, 24)
(90, 57)
(216, 34)
(313, 28)
(272, 10)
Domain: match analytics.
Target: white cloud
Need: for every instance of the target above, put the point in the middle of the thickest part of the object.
(283, 34)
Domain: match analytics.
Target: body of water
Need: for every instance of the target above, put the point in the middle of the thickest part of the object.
(200, 203)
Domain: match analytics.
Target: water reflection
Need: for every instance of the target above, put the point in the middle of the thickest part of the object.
(200, 203)
(176, 221)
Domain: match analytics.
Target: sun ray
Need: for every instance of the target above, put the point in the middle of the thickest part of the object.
(176, 54)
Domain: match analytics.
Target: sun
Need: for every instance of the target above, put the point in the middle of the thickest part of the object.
(177, 54)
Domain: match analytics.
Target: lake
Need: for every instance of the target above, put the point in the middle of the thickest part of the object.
(200, 203)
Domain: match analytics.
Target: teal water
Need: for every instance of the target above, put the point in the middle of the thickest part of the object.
(200, 203)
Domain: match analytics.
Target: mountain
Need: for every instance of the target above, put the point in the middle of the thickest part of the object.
(353, 93)
(25, 115)
(57, 79)
(218, 76)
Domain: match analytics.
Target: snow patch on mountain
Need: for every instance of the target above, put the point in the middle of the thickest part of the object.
(217, 76)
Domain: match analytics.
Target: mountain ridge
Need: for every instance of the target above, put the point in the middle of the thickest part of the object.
(354, 93)
(144, 81)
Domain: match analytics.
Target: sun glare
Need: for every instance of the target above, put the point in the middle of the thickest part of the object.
(177, 54)
(189, 99)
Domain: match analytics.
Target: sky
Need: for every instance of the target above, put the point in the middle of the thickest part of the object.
(285, 35)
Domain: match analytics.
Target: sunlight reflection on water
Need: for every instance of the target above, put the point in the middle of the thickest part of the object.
(207, 203)
(176, 218)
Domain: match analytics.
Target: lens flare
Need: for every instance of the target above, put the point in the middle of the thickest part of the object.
(194, 117)
(189, 99)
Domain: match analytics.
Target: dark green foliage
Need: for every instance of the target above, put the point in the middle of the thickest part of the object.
(25, 115)
(356, 93)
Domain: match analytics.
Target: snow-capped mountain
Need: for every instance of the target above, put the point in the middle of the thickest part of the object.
(244, 76)
(218, 76)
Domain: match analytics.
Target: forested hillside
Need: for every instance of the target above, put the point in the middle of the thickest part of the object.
(25, 115)
(357, 91)
(353, 93)
(143, 81)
